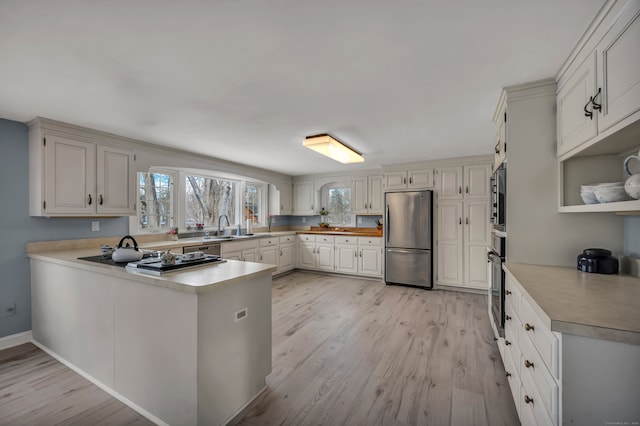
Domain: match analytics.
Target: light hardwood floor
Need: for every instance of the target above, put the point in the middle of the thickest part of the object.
(346, 351)
(36, 389)
(357, 352)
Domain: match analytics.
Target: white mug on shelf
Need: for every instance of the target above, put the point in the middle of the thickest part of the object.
(632, 184)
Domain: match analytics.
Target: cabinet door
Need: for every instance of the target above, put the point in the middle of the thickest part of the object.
(370, 261)
(303, 198)
(359, 199)
(70, 176)
(250, 255)
(376, 197)
(450, 242)
(476, 181)
(574, 127)
(395, 180)
(233, 255)
(115, 181)
(420, 178)
(619, 69)
(347, 258)
(268, 255)
(285, 263)
(324, 254)
(476, 240)
(307, 255)
(450, 183)
(285, 198)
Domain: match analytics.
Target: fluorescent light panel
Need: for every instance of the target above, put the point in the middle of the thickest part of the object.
(332, 148)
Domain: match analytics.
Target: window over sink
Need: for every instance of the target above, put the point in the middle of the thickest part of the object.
(336, 199)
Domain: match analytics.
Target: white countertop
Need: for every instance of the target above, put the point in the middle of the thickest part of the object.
(197, 279)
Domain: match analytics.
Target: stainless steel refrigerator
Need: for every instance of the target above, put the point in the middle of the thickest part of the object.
(408, 238)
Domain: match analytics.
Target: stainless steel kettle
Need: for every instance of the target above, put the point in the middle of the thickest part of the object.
(126, 253)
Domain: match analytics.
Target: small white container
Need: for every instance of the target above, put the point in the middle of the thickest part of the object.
(610, 194)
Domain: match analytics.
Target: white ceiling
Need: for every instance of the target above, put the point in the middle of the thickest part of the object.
(247, 80)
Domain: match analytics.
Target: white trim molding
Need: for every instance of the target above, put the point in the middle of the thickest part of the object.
(15, 340)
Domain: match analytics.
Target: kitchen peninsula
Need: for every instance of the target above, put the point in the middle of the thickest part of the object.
(189, 347)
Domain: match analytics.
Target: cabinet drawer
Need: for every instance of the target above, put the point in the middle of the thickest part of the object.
(287, 239)
(307, 238)
(370, 241)
(346, 240)
(513, 378)
(325, 238)
(542, 338)
(530, 393)
(512, 294)
(266, 242)
(545, 385)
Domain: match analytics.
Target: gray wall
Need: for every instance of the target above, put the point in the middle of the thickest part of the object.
(17, 228)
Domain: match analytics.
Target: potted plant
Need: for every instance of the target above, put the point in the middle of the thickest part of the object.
(323, 218)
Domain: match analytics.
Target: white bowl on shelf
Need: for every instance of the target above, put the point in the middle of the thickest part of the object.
(610, 194)
(588, 197)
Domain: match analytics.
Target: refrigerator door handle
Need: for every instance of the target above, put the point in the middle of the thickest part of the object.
(395, 250)
(387, 223)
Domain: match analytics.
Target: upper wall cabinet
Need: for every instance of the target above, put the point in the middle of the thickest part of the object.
(305, 201)
(366, 195)
(70, 174)
(468, 182)
(280, 199)
(601, 93)
(409, 179)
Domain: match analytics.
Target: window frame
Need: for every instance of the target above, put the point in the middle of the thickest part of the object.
(326, 188)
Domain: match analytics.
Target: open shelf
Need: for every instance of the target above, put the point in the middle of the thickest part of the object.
(621, 207)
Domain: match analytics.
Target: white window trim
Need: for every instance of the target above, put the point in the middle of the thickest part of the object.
(325, 200)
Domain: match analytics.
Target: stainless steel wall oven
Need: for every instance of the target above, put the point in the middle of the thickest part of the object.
(499, 198)
(496, 257)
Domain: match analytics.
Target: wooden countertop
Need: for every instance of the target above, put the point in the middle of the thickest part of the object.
(591, 305)
(193, 280)
(345, 233)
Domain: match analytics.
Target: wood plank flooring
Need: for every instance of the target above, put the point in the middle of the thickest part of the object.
(350, 351)
(36, 389)
(346, 351)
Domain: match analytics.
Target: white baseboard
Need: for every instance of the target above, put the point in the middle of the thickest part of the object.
(15, 340)
(239, 410)
(102, 386)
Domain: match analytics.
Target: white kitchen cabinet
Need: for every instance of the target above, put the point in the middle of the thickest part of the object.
(574, 127)
(316, 252)
(304, 198)
(601, 94)
(246, 250)
(71, 174)
(464, 182)
(412, 179)
(346, 249)
(450, 237)
(370, 256)
(367, 195)
(463, 225)
(286, 261)
(280, 199)
(475, 240)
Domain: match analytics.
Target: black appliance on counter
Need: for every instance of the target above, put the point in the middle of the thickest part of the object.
(597, 260)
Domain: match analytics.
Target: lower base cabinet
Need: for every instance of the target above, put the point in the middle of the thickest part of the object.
(559, 378)
(277, 251)
(343, 254)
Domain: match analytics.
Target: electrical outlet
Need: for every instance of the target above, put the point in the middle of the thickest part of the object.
(304, 220)
(10, 310)
(359, 221)
(95, 226)
(240, 315)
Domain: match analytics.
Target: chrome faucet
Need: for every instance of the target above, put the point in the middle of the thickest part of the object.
(220, 221)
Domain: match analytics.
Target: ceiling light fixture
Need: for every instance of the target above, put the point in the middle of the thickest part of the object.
(333, 148)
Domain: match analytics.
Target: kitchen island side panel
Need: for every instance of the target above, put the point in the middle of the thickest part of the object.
(234, 355)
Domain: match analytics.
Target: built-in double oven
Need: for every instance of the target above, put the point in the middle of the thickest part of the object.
(498, 253)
